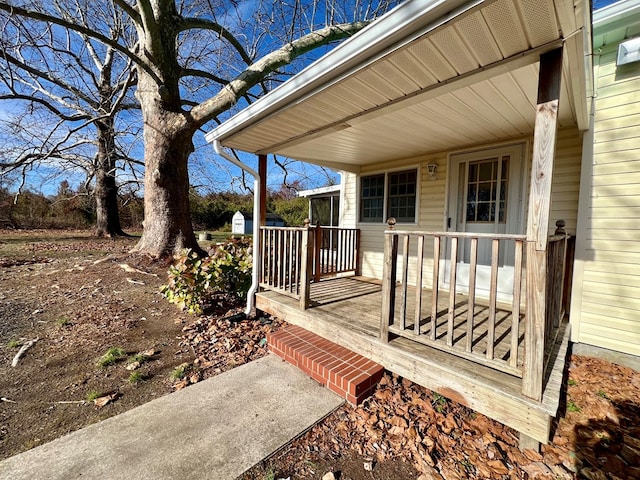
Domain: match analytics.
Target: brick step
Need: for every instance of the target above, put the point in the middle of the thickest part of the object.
(344, 372)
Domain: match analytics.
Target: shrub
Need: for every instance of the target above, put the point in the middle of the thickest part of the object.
(227, 270)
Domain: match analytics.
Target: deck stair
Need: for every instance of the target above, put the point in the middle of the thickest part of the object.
(344, 372)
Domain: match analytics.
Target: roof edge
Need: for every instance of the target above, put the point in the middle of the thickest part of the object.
(386, 32)
(614, 12)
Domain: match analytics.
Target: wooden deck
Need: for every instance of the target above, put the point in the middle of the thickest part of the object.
(347, 311)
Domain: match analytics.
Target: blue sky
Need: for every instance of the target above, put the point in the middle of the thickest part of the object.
(208, 171)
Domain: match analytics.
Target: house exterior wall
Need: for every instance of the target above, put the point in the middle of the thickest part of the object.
(432, 203)
(605, 308)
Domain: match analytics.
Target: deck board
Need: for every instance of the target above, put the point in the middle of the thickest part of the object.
(347, 311)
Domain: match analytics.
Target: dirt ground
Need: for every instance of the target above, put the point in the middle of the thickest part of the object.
(79, 296)
(68, 290)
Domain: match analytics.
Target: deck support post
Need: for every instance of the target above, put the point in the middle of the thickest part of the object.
(389, 272)
(544, 146)
(528, 443)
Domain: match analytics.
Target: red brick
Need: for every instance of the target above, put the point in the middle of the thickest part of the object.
(323, 359)
(319, 378)
(351, 399)
(359, 384)
(291, 360)
(334, 388)
(377, 375)
(348, 376)
(277, 351)
(339, 373)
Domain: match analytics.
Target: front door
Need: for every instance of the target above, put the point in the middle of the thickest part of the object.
(486, 195)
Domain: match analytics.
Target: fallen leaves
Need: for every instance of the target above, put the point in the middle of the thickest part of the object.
(223, 342)
(446, 441)
(105, 399)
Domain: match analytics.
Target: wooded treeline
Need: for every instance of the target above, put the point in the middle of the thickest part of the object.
(74, 209)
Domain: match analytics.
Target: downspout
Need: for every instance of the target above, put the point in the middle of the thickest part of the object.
(256, 222)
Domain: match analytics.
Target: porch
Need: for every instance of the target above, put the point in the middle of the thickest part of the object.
(409, 110)
(346, 311)
(467, 347)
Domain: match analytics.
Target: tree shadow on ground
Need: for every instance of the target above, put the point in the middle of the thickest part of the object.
(609, 447)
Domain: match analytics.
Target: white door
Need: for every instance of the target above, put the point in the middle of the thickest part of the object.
(486, 195)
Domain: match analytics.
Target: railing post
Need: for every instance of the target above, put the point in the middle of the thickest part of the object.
(317, 250)
(388, 280)
(357, 254)
(305, 268)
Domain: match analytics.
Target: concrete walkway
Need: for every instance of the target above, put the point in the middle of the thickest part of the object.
(216, 429)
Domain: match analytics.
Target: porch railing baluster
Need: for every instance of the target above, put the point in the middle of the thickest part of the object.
(419, 262)
(405, 276)
(471, 304)
(502, 334)
(493, 293)
(435, 289)
(515, 305)
(452, 291)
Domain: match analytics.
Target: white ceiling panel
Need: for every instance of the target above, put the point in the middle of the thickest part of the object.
(468, 81)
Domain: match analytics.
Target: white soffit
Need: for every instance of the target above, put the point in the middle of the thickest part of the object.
(472, 80)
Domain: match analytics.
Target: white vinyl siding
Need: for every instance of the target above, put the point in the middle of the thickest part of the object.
(605, 310)
(565, 185)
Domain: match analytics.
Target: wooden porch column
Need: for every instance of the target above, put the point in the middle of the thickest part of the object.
(262, 171)
(544, 146)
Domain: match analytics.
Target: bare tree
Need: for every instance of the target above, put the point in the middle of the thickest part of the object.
(195, 60)
(68, 91)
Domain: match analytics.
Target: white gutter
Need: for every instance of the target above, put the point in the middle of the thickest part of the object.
(256, 223)
(399, 26)
(614, 12)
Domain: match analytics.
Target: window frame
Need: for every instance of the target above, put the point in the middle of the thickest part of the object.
(386, 195)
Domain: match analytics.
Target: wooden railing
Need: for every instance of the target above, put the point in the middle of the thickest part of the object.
(336, 250)
(286, 261)
(293, 256)
(556, 273)
(444, 330)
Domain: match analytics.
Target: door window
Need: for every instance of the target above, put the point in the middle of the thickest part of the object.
(486, 192)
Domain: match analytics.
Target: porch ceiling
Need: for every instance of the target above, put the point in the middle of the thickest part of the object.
(423, 78)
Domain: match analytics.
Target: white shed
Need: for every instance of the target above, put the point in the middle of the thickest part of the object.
(242, 222)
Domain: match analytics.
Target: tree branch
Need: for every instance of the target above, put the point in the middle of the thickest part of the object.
(191, 72)
(257, 72)
(49, 106)
(205, 24)
(46, 76)
(43, 17)
(129, 10)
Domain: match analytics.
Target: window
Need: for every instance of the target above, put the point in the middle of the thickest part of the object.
(372, 198)
(399, 201)
(402, 196)
(487, 190)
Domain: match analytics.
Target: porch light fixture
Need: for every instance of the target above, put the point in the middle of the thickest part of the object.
(628, 51)
(432, 169)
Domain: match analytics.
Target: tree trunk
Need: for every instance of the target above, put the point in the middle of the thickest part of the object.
(167, 217)
(168, 133)
(106, 190)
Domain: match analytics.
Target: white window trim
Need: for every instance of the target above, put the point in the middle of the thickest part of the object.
(385, 202)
